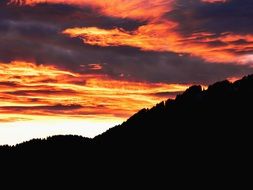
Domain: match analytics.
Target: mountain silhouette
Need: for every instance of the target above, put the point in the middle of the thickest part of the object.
(197, 125)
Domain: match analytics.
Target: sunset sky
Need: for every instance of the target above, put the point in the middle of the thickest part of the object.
(82, 66)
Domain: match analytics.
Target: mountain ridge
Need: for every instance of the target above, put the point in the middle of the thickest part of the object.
(197, 118)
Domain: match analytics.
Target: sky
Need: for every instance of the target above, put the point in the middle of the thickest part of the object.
(82, 66)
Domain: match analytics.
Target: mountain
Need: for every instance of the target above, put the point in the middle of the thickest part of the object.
(207, 123)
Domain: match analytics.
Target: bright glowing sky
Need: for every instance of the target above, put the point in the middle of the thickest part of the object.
(83, 66)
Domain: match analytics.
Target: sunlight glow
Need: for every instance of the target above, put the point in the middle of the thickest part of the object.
(20, 131)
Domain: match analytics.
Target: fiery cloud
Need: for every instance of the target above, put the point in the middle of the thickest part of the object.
(45, 90)
(143, 38)
(157, 37)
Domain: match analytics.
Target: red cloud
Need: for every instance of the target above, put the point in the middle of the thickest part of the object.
(46, 90)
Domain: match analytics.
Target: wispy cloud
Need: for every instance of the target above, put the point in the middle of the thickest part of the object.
(45, 90)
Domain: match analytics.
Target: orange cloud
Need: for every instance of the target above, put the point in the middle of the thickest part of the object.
(153, 37)
(163, 37)
(230, 44)
(147, 37)
(38, 90)
(226, 37)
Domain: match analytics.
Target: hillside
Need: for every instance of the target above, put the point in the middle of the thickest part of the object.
(201, 121)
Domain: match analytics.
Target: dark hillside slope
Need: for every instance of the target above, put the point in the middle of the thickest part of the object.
(199, 121)
(220, 114)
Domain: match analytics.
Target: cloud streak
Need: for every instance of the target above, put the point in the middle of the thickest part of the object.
(45, 90)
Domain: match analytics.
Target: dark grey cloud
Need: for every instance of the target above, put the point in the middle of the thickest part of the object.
(167, 95)
(196, 16)
(64, 16)
(172, 68)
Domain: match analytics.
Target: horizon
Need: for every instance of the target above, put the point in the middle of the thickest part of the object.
(83, 66)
